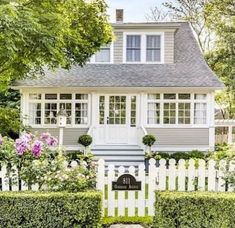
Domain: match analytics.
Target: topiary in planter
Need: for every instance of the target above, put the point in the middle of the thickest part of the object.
(149, 140)
(85, 140)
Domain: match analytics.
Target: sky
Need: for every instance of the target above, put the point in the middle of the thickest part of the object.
(134, 10)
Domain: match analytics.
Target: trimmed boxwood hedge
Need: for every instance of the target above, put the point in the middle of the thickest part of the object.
(32, 209)
(194, 210)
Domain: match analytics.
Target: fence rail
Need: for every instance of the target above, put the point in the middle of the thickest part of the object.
(166, 175)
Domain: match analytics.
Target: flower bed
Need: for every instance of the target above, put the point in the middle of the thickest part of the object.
(194, 209)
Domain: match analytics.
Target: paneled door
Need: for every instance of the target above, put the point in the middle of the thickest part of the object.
(117, 118)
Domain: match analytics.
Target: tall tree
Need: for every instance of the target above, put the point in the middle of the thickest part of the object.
(221, 18)
(186, 10)
(35, 34)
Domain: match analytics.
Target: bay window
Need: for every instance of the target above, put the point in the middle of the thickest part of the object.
(153, 109)
(169, 113)
(133, 48)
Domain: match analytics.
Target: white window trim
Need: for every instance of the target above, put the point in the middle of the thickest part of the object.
(192, 101)
(42, 101)
(92, 59)
(143, 36)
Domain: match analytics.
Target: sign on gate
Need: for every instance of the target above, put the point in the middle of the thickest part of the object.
(126, 182)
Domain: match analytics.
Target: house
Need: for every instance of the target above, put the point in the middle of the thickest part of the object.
(151, 80)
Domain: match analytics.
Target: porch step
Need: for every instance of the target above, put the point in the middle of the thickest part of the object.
(120, 155)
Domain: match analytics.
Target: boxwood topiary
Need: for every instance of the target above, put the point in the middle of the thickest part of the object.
(149, 140)
(85, 140)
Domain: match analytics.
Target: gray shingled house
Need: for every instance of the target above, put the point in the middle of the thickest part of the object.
(151, 80)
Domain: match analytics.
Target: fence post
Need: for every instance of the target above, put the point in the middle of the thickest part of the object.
(152, 186)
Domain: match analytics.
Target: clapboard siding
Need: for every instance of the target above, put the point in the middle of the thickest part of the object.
(169, 47)
(180, 136)
(118, 47)
(71, 135)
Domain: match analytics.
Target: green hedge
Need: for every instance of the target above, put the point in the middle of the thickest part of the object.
(194, 210)
(31, 209)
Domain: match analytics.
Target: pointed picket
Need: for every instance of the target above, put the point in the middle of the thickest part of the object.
(211, 175)
(202, 175)
(221, 176)
(172, 175)
(15, 179)
(152, 186)
(111, 194)
(191, 175)
(131, 195)
(5, 179)
(121, 195)
(162, 175)
(141, 194)
(181, 175)
(231, 169)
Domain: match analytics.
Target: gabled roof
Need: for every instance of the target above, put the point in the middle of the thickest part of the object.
(189, 70)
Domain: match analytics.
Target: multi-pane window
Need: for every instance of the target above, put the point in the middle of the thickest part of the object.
(81, 109)
(35, 109)
(200, 109)
(133, 48)
(184, 113)
(35, 113)
(117, 110)
(102, 110)
(43, 108)
(50, 113)
(153, 108)
(133, 111)
(169, 113)
(103, 56)
(153, 48)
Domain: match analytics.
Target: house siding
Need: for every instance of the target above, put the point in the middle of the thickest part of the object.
(180, 136)
(71, 135)
(169, 47)
(118, 47)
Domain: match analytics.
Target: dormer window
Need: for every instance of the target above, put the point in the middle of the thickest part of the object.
(133, 48)
(142, 47)
(104, 55)
(153, 48)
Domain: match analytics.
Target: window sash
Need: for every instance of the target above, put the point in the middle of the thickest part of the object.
(104, 55)
(133, 48)
(153, 48)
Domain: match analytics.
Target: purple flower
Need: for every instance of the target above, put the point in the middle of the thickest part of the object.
(37, 148)
(48, 139)
(1, 139)
(21, 146)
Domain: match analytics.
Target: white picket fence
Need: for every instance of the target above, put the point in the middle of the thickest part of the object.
(184, 176)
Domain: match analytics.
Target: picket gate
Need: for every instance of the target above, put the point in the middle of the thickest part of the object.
(182, 176)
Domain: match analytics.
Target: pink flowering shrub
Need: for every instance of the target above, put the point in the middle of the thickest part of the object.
(38, 161)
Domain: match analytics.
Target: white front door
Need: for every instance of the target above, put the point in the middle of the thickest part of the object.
(117, 119)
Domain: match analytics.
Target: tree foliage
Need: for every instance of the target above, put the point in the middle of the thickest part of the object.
(191, 11)
(40, 34)
(221, 19)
